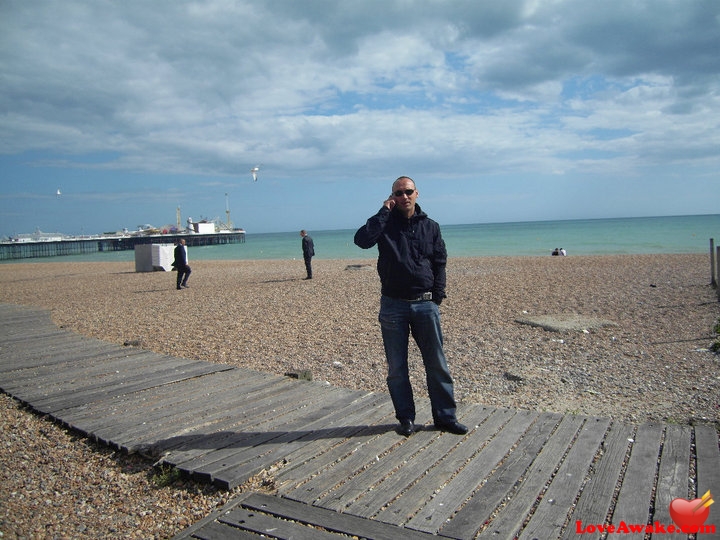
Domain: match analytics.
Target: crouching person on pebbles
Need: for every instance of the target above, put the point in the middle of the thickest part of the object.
(411, 264)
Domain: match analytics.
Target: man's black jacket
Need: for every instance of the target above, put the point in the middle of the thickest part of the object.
(412, 255)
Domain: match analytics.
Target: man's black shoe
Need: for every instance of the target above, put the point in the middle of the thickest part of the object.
(406, 428)
(455, 427)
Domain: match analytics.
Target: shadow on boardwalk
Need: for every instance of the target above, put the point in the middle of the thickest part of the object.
(336, 460)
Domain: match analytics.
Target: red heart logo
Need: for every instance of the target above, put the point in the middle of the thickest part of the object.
(688, 514)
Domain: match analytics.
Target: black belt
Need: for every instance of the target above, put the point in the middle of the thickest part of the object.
(422, 297)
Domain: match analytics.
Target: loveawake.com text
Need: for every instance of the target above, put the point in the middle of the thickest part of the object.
(655, 528)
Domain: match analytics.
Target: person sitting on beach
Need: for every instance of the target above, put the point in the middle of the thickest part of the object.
(563, 252)
(556, 252)
(411, 263)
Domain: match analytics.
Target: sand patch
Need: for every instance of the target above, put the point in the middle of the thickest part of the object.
(565, 322)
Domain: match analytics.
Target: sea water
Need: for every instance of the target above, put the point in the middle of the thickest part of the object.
(674, 234)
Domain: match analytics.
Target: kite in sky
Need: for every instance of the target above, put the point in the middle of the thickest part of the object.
(254, 172)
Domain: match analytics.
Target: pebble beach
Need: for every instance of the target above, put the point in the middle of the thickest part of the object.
(639, 351)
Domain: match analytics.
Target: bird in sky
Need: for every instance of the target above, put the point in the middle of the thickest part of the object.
(254, 172)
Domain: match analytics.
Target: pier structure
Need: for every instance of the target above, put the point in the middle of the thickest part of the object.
(94, 244)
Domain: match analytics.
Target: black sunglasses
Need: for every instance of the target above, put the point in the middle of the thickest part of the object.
(399, 192)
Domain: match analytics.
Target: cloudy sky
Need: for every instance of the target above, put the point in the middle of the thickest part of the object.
(518, 110)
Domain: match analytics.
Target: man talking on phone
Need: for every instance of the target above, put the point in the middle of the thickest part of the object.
(411, 264)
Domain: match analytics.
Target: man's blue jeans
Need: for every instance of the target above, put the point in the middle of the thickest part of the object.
(398, 319)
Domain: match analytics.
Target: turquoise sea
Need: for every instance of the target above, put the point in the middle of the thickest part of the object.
(674, 234)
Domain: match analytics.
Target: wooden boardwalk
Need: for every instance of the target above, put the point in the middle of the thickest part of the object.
(338, 465)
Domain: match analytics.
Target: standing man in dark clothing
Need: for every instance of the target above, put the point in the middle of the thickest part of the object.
(411, 264)
(308, 248)
(180, 264)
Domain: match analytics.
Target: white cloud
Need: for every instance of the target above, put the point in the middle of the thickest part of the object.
(324, 90)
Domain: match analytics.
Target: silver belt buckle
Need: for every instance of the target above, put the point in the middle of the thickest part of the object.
(427, 296)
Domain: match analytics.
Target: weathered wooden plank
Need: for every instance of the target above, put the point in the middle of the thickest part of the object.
(47, 388)
(38, 353)
(222, 531)
(197, 440)
(196, 530)
(597, 495)
(454, 493)
(18, 331)
(13, 312)
(18, 311)
(259, 415)
(26, 329)
(635, 497)
(221, 430)
(145, 367)
(80, 373)
(17, 342)
(550, 515)
(247, 461)
(23, 329)
(373, 409)
(112, 359)
(79, 351)
(138, 438)
(333, 521)
(354, 456)
(673, 474)
(341, 461)
(71, 398)
(278, 420)
(176, 428)
(55, 403)
(381, 483)
(300, 466)
(17, 314)
(331, 428)
(480, 507)
(707, 460)
(215, 388)
(165, 414)
(119, 371)
(252, 520)
(707, 464)
(415, 498)
(67, 381)
(18, 322)
(512, 515)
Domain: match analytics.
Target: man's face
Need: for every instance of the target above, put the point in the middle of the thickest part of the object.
(405, 202)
